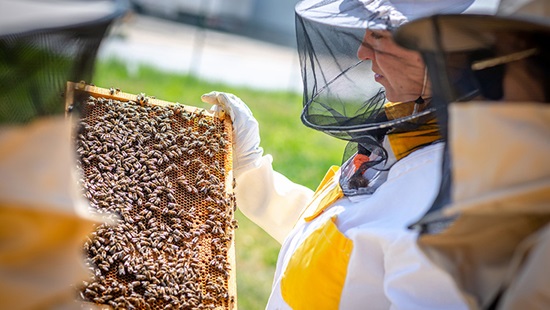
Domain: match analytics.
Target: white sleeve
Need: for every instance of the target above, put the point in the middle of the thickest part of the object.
(269, 199)
(411, 281)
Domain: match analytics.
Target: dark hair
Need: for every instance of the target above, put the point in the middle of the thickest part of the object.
(490, 80)
(539, 64)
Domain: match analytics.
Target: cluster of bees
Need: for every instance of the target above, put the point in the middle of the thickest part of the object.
(159, 173)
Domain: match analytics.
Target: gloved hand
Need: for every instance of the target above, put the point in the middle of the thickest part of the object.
(247, 152)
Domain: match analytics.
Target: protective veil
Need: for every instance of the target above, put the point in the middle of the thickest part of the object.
(341, 97)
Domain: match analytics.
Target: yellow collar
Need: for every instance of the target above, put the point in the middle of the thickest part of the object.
(405, 141)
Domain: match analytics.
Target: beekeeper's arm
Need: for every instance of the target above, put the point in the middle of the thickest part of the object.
(265, 196)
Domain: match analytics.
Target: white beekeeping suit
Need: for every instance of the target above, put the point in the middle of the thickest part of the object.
(492, 232)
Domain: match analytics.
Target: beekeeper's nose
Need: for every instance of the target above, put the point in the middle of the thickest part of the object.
(365, 52)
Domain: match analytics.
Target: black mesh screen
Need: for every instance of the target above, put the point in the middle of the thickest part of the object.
(340, 94)
(35, 66)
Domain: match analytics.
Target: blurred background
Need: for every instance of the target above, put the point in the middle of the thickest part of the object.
(239, 42)
(263, 19)
(178, 50)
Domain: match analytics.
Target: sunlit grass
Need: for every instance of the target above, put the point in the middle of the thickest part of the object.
(300, 153)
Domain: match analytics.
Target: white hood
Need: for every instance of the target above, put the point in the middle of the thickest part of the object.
(500, 192)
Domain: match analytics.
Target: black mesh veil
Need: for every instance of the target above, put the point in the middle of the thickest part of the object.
(341, 97)
(339, 89)
(467, 58)
(43, 49)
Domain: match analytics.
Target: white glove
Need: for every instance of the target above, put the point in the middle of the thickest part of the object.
(247, 152)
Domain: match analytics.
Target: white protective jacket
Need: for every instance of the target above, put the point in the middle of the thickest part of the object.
(500, 242)
(352, 253)
(44, 220)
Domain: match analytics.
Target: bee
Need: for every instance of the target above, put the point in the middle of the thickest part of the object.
(142, 99)
(81, 84)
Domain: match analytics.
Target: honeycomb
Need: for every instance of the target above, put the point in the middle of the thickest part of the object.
(161, 171)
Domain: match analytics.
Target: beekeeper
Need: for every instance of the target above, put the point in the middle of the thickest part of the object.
(346, 245)
(491, 232)
(44, 219)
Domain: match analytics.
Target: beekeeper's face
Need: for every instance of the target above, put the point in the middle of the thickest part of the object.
(399, 70)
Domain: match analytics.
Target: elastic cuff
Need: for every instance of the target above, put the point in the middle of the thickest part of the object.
(253, 160)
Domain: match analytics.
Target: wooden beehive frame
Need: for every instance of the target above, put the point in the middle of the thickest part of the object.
(78, 95)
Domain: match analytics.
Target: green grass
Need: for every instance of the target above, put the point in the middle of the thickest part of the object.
(300, 153)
